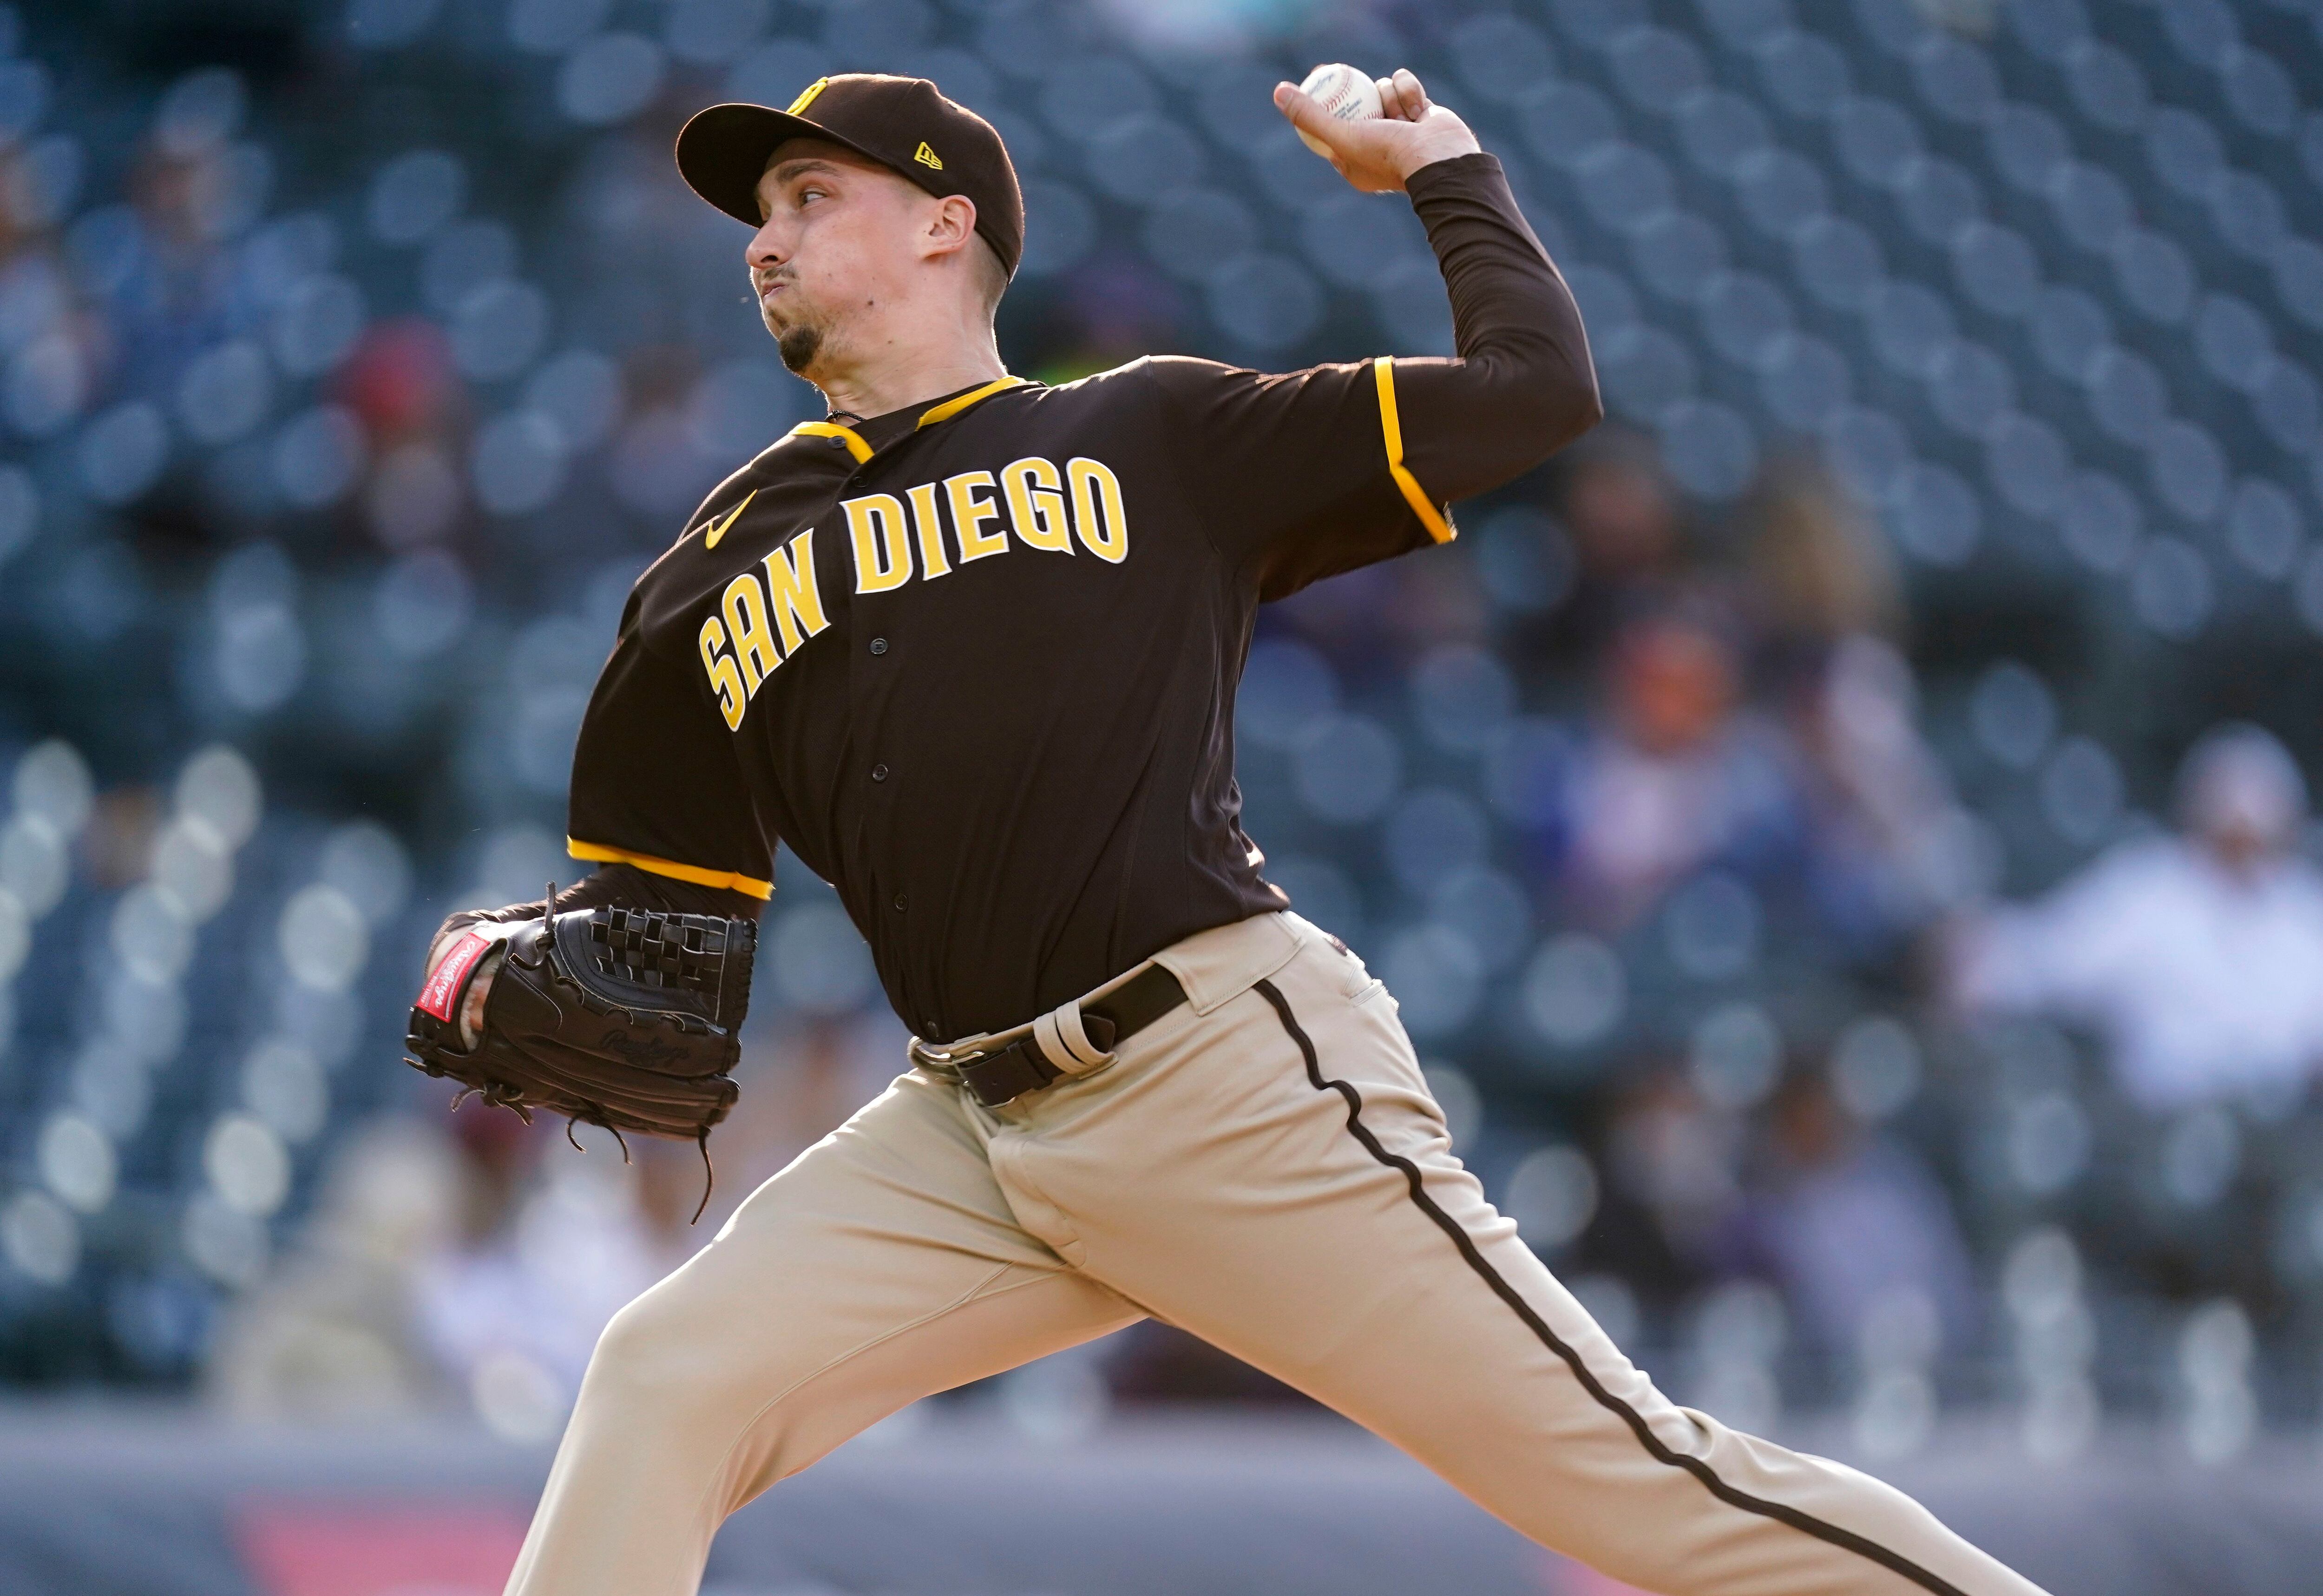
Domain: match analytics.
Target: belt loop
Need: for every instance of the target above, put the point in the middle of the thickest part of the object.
(1065, 1043)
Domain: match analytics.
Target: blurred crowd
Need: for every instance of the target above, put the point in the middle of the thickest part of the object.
(1802, 1064)
(1839, 837)
(467, 1261)
(1827, 1077)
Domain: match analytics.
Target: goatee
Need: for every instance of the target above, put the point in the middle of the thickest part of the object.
(798, 345)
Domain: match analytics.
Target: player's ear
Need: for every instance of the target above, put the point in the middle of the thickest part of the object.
(951, 225)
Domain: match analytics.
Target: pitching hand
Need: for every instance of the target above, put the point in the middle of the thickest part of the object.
(1376, 153)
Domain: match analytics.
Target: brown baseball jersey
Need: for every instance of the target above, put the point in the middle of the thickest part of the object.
(974, 661)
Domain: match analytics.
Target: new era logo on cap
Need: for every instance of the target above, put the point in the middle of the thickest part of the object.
(898, 122)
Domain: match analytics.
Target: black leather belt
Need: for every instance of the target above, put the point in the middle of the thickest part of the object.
(1007, 1074)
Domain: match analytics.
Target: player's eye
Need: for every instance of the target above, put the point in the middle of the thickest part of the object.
(811, 192)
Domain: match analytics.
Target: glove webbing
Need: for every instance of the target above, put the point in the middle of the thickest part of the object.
(633, 944)
(637, 945)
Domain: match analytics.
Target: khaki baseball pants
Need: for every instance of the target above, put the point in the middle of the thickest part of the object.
(1262, 1167)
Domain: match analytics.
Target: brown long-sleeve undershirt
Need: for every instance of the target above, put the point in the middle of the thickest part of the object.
(1521, 384)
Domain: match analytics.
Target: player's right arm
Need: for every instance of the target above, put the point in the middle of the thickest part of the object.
(1521, 384)
(1314, 472)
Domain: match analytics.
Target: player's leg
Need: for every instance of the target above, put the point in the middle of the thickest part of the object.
(884, 1264)
(1275, 1179)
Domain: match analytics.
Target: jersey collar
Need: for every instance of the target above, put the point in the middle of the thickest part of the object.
(943, 410)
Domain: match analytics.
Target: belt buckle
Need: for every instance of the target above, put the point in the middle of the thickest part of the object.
(1006, 1074)
(943, 1063)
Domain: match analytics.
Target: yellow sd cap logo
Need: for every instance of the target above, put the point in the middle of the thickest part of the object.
(926, 157)
(806, 100)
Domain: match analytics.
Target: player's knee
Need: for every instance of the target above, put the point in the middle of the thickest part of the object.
(654, 1355)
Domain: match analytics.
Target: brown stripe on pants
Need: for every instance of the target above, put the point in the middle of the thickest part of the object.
(1263, 1167)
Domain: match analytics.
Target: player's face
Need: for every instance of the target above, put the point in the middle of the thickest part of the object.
(836, 239)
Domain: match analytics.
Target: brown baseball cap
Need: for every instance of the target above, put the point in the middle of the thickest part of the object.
(903, 123)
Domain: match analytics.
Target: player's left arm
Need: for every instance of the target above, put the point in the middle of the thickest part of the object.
(658, 804)
(1521, 384)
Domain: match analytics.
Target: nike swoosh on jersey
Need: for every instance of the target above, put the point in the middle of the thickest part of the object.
(717, 529)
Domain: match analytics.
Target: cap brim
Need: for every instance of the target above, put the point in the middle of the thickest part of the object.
(722, 152)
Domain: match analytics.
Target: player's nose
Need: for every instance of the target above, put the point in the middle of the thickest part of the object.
(765, 249)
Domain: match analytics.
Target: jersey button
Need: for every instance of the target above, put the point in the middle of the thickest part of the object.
(878, 645)
(878, 773)
(899, 902)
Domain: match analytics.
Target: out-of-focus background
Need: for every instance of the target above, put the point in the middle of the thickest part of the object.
(1840, 835)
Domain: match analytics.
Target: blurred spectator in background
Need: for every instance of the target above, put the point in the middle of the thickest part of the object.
(1892, 846)
(1673, 1164)
(447, 1262)
(399, 384)
(159, 262)
(1765, 724)
(1674, 774)
(1819, 569)
(456, 1269)
(333, 1334)
(1628, 546)
(547, 1253)
(1852, 1224)
(1892, 842)
(2195, 956)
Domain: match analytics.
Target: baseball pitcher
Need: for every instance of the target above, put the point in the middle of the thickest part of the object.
(969, 648)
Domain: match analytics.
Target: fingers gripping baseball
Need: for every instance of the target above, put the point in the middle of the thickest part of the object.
(1376, 150)
(1401, 97)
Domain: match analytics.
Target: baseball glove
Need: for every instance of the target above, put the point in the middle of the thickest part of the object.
(622, 1017)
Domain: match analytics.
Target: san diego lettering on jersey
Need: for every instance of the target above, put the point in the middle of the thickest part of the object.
(854, 625)
(769, 611)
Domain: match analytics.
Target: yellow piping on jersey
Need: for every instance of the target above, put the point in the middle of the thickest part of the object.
(1430, 516)
(597, 853)
(831, 429)
(943, 412)
(717, 529)
(953, 406)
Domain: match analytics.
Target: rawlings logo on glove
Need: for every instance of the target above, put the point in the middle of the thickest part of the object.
(619, 1017)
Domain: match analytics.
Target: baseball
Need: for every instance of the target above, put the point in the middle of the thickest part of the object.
(1349, 96)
